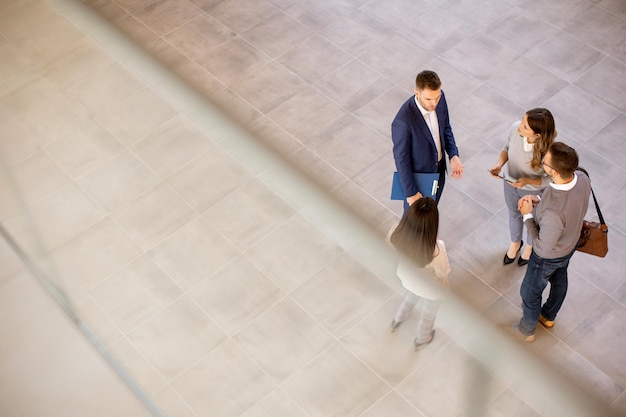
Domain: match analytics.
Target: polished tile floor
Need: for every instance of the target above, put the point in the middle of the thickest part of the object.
(222, 295)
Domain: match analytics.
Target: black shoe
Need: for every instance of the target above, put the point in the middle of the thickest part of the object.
(395, 325)
(507, 260)
(419, 346)
(521, 261)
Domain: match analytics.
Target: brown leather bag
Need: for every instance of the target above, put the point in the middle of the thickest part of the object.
(594, 236)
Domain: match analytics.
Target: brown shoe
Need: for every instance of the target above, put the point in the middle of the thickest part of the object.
(548, 324)
(514, 331)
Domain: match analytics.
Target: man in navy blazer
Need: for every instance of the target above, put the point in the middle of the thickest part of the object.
(422, 135)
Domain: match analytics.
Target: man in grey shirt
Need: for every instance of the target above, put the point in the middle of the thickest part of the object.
(555, 229)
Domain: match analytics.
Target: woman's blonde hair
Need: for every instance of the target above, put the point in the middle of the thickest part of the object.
(542, 123)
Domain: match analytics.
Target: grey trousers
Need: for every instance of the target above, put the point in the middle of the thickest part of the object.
(427, 314)
(516, 224)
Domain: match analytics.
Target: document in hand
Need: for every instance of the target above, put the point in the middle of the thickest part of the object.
(427, 184)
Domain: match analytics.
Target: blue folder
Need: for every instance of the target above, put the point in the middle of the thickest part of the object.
(427, 184)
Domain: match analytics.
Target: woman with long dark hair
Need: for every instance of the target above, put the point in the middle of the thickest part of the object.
(416, 238)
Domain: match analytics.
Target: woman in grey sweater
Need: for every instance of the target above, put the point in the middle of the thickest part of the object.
(519, 166)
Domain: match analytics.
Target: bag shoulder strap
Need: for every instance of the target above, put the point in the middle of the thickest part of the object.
(600, 216)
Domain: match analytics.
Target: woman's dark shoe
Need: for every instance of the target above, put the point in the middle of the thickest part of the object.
(419, 346)
(395, 325)
(507, 260)
(521, 261)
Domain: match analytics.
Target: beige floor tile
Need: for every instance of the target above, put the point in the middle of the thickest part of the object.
(581, 126)
(15, 142)
(163, 16)
(11, 263)
(396, 58)
(392, 404)
(208, 178)
(598, 27)
(356, 32)
(376, 178)
(320, 171)
(135, 293)
(279, 84)
(249, 214)
(439, 388)
(275, 403)
(308, 116)
(118, 180)
(136, 117)
(235, 295)
(335, 383)
(238, 50)
(283, 339)
(353, 85)
(52, 361)
(49, 41)
(154, 216)
(193, 252)
(359, 202)
(318, 15)
(171, 146)
(93, 255)
(391, 355)
(176, 337)
(600, 333)
(314, 59)
(352, 147)
(274, 136)
(269, 37)
(76, 63)
(135, 29)
(134, 5)
(224, 383)
(563, 357)
(55, 219)
(510, 30)
(537, 85)
(171, 404)
(240, 15)
(613, 94)
(330, 296)
(509, 403)
(437, 30)
(199, 35)
(84, 149)
(293, 253)
(93, 317)
(21, 18)
(137, 365)
(104, 89)
(379, 112)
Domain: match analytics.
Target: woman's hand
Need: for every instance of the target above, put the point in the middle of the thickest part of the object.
(520, 182)
(495, 171)
(526, 181)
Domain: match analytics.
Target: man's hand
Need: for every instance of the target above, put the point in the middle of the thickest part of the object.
(457, 167)
(526, 204)
(525, 207)
(414, 198)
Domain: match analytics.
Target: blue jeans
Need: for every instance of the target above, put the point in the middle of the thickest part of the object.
(539, 272)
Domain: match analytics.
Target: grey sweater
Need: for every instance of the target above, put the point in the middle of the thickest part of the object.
(518, 164)
(558, 218)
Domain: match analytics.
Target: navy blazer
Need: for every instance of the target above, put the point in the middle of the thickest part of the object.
(413, 145)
